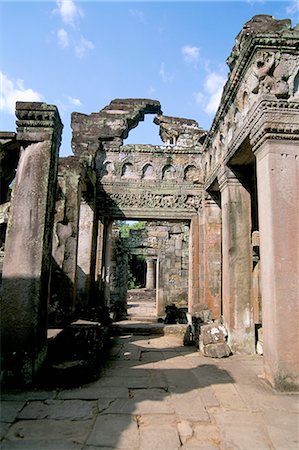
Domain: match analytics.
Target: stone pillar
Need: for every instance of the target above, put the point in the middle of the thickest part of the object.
(236, 262)
(99, 261)
(150, 273)
(212, 255)
(194, 263)
(86, 253)
(28, 248)
(65, 235)
(107, 261)
(160, 292)
(278, 201)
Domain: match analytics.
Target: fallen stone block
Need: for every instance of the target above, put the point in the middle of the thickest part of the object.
(220, 350)
(213, 333)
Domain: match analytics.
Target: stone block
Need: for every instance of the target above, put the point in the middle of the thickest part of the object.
(219, 350)
(115, 430)
(213, 334)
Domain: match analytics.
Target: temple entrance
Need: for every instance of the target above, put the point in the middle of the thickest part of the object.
(149, 267)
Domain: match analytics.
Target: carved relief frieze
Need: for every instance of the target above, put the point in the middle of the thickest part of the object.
(149, 200)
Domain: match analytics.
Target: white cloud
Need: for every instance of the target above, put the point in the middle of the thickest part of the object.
(190, 54)
(83, 47)
(68, 11)
(137, 13)
(12, 92)
(63, 38)
(211, 97)
(166, 76)
(74, 101)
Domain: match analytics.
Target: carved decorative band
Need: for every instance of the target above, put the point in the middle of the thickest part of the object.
(149, 200)
(155, 149)
(37, 115)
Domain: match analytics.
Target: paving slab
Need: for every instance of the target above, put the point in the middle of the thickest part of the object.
(18, 395)
(242, 430)
(93, 392)
(283, 429)
(228, 397)
(4, 427)
(9, 410)
(164, 437)
(59, 410)
(116, 431)
(40, 445)
(189, 406)
(171, 397)
(49, 430)
(142, 401)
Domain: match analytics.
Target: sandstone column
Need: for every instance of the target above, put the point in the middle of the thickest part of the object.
(86, 253)
(65, 236)
(212, 256)
(194, 263)
(150, 273)
(99, 260)
(107, 260)
(278, 200)
(236, 262)
(27, 262)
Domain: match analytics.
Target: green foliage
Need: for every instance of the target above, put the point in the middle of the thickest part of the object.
(124, 227)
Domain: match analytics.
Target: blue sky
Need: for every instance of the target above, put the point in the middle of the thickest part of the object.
(81, 55)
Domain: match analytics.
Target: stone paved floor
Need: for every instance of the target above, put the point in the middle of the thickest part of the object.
(156, 394)
(142, 303)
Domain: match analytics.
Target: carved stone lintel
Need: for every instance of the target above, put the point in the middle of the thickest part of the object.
(38, 122)
(150, 200)
(281, 122)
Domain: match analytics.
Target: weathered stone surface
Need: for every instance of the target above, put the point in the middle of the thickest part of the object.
(27, 260)
(164, 436)
(185, 431)
(48, 430)
(29, 444)
(58, 410)
(219, 350)
(213, 333)
(125, 432)
(9, 410)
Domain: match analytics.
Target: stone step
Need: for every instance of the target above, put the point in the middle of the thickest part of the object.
(147, 319)
(146, 328)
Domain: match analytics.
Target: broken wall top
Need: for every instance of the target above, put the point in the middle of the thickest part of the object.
(112, 124)
(107, 129)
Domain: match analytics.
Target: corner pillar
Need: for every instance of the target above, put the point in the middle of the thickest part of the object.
(277, 163)
(236, 262)
(28, 247)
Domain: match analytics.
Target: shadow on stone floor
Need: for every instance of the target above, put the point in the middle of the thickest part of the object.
(141, 381)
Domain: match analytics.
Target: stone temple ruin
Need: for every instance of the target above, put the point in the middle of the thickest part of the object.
(222, 211)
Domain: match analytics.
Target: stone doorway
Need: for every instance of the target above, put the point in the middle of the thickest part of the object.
(149, 267)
